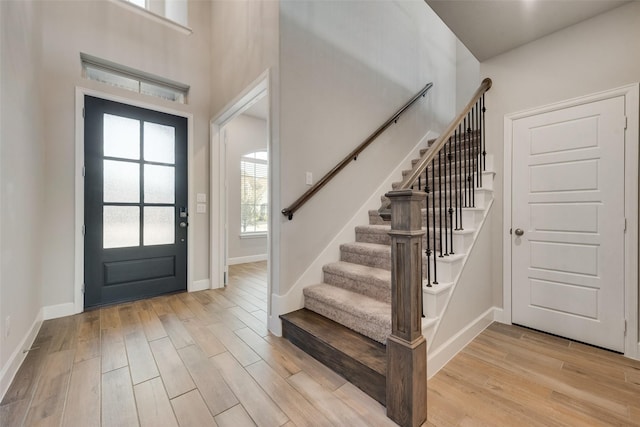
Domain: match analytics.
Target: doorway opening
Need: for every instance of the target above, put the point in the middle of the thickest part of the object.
(240, 141)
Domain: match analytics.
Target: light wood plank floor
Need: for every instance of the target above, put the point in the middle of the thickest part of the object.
(207, 359)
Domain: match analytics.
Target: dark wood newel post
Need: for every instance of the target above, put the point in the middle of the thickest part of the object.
(406, 346)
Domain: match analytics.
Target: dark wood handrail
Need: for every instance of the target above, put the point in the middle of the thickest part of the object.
(419, 167)
(352, 156)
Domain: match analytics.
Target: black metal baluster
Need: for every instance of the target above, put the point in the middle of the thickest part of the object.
(460, 153)
(449, 158)
(433, 205)
(484, 147)
(472, 192)
(446, 219)
(472, 146)
(428, 241)
(468, 165)
(464, 165)
(440, 202)
(477, 141)
(455, 173)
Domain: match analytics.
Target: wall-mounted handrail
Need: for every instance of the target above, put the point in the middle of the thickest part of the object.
(352, 156)
(437, 145)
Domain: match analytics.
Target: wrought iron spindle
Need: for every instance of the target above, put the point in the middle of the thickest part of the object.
(444, 217)
(477, 141)
(455, 173)
(472, 157)
(468, 165)
(427, 250)
(433, 205)
(465, 155)
(449, 158)
(459, 153)
(484, 147)
(440, 203)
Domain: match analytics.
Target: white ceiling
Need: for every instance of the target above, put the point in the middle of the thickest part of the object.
(489, 27)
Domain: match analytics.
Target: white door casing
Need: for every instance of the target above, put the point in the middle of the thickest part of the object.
(568, 181)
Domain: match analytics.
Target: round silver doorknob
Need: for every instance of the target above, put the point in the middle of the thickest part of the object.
(183, 224)
(519, 231)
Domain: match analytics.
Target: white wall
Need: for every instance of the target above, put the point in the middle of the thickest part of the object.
(467, 75)
(345, 67)
(244, 45)
(245, 134)
(21, 177)
(107, 30)
(595, 55)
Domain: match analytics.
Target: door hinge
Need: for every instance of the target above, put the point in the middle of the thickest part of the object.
(84, 171)
(224, 278)
(83, 112)
(625, 225)
(625, 326)
(83, 288)
(625, 122)
(84, 229)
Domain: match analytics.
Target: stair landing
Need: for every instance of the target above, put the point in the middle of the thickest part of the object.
(357, 358)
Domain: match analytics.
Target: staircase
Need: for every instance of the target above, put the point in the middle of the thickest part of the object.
(347, 319)
(356, 290)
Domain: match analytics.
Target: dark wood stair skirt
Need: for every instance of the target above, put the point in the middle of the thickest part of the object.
(357, 358)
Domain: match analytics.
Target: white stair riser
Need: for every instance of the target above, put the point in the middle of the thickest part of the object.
(470, 218)
(433, 304)
(447, 271)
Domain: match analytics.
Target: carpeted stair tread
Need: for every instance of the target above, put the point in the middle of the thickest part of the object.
(370, 281)
(374, 234)
(370, 254)
(368, 316)
(376, 219)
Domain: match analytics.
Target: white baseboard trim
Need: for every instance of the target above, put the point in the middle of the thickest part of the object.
(59, 310)
(199, 285)
(245, 259)
(10, 369)
(439, 357)
(294, 299)
(500, 316)
(274, 324)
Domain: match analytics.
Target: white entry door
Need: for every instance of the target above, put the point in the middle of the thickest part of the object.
(568, 222)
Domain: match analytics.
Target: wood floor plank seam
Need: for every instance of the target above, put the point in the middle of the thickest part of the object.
(506, 376)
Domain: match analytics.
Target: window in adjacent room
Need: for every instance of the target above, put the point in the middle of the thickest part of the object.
(254, 186)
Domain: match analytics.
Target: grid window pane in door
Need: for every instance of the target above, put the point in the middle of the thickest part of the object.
(120, 226)
(121, 182)
(121, 137)
(159, 143)
(159, 225)
(159, 184)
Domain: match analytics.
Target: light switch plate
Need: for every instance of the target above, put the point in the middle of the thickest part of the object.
(201, 208)
(201, 198)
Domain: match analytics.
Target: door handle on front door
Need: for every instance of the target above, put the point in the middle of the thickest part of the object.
(519, 231)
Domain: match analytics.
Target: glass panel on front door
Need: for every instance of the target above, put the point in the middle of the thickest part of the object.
(128, 221)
